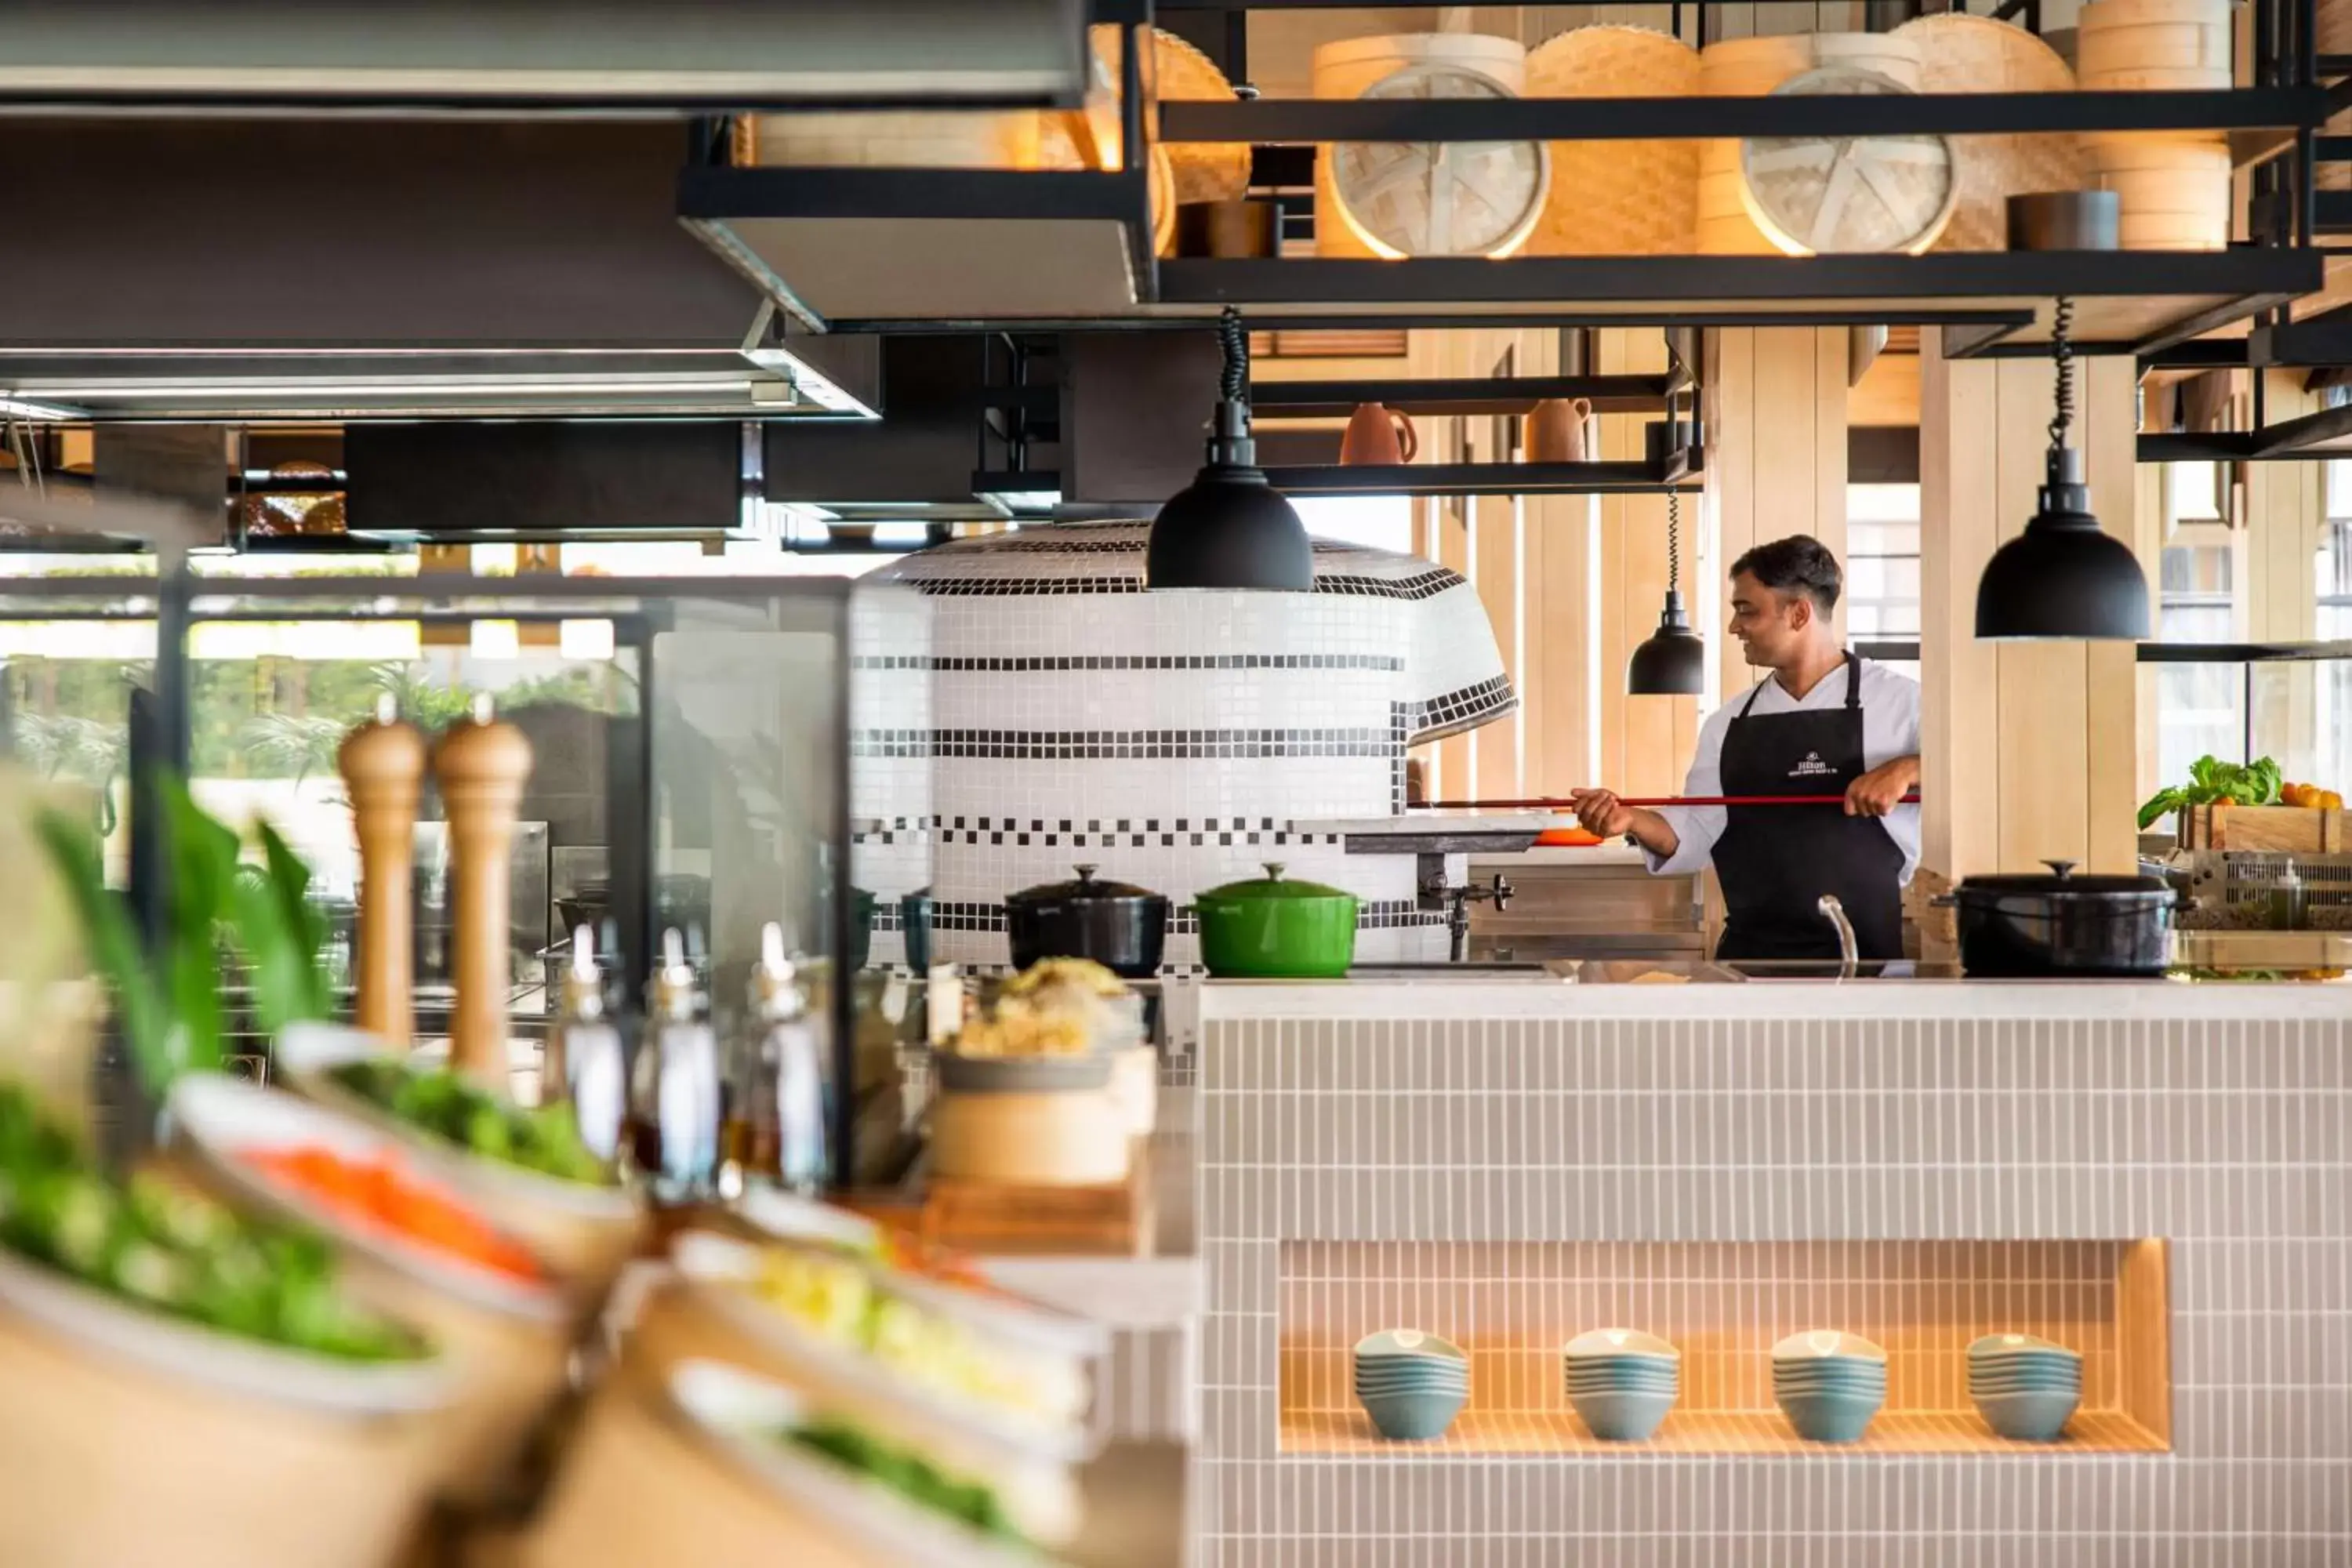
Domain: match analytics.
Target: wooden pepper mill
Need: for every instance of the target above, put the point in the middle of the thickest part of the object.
(482, 765)
(383, 764)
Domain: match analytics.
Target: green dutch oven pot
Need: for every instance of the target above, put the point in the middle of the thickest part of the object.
(1268, 929)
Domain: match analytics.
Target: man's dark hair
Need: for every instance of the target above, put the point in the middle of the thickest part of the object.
(1797, 564)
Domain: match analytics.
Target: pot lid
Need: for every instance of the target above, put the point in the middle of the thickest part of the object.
(1274, 885)
(1086, 886)
(2063, 882)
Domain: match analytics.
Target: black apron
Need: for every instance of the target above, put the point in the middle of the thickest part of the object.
(1776, 861)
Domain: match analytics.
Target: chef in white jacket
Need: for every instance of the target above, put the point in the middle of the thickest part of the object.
(1823, 722)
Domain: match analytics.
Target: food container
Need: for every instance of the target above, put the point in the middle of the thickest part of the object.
(695, 1459)
(139, 1439)
(510, 1338)
(2062, 923)
(712, 1312)
(1269, 928)
(1054, 1138)
(1121, 927)
(585, 1231)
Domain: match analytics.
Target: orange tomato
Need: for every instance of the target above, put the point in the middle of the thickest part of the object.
(2294, 795)
(2329, 798)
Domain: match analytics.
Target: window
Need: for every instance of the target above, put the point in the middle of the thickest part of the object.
(2200, 708)
(1377, 522)
(2332, 702)
(1881, 567)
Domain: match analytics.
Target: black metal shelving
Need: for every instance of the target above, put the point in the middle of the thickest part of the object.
(1988, 302)
(1473, 397)
(1482, 479)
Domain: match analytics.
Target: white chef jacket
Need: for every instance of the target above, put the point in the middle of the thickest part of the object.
(1890, 729)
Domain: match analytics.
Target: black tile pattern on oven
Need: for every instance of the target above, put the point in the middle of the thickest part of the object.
(1371, 914)
(1022, 664)
(1463, 709)
(1078, 745)
(1348, 584)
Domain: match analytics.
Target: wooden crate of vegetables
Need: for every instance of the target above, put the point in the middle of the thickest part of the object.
(2250, 807)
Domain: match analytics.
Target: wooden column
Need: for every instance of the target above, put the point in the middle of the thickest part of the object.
(2030, 750)
(1645, 741)
(1776, 430)
(2286, 512)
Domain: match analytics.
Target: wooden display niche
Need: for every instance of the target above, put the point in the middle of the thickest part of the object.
(1512, 1305)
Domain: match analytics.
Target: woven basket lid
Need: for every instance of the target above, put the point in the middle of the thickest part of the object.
(1960, 53)
(1203, 171)
(1618, 198)
(1852, 195)
(1440, 198)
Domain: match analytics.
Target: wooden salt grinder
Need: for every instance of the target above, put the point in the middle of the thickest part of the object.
(482, 765)
(383, 764)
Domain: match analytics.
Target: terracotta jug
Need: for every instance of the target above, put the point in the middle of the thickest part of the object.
(1378, 436)
(1554, 432)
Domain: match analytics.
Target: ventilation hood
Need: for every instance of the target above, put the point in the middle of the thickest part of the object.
(459, 54)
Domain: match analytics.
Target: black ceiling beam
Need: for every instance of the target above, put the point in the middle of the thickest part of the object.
(1321, 121)
(1473, 396)
(143, 232)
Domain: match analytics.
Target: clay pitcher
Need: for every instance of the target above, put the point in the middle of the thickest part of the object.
(1378, 436)
(1556, 428)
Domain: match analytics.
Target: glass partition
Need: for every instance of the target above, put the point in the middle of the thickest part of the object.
(690, 740)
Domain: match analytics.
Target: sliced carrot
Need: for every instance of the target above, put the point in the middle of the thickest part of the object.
(380, 1192)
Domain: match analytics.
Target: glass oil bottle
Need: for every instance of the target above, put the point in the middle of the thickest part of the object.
(778, 1117)
(674, 1107)
(585, 1066)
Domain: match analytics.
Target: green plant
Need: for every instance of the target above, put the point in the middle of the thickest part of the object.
(167, 996)
(2212, 782)
(87, 751)
(424, 704)
(297, 743)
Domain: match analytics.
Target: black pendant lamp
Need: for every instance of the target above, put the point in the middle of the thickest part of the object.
(1229, 528)
(2064, 577)
(1672, 660)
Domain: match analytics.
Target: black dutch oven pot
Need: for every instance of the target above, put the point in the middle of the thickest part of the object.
(1121, 927)
(2062, 923)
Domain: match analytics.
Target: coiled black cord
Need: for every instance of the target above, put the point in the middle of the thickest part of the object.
(2062, 353)
(1234, 384)
(1673, 540)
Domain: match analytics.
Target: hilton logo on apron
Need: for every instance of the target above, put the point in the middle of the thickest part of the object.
(1812, 767)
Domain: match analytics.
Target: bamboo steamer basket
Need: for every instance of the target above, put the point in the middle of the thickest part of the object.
(585, 1233)
(1617, 198)
(2129, 45)
(1961, 53)
(1753, 68)
(1060, 1138)
(1199, 171)
(1800, 192)
(134, 1438)
(2174, 191)
(1349, 67)
(510, 1340)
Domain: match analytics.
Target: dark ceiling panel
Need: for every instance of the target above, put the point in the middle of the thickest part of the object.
(461, 479)
(270, 233)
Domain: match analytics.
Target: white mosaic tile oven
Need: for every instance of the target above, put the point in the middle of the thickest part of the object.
(1039, 709)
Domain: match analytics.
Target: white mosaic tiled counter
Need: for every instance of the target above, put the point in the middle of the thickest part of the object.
(2159, 1174)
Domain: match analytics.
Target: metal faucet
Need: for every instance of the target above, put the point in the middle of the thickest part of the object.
(1848, 950)
(1435, 893)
